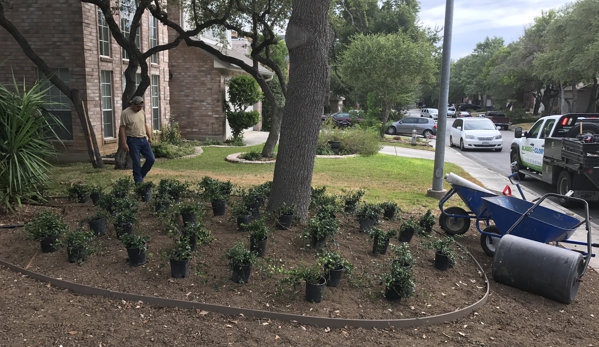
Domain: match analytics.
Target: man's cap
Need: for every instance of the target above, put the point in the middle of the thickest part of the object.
(138, 100)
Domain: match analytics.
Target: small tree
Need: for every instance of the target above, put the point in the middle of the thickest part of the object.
(243, 93)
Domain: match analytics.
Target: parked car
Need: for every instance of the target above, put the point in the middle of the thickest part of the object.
(424, 126)
(451, 112)
(344, 119)
(475, 133)
(465, 106)
(462, 114)
(429, 113)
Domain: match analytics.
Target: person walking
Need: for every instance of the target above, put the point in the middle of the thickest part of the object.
(136, 138)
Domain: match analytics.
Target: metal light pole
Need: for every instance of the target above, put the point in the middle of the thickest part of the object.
(437, 190)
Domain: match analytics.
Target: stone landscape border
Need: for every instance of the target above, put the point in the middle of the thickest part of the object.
(234, 158)
(236, 311)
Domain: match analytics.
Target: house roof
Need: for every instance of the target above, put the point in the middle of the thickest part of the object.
(219, 64)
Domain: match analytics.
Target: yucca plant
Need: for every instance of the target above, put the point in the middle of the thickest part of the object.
(25, 128)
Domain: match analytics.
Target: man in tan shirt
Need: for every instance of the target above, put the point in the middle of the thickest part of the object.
(136, 138)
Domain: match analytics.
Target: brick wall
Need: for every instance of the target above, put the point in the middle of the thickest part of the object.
(65, 34)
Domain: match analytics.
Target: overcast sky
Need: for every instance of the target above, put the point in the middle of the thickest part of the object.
(475, 20)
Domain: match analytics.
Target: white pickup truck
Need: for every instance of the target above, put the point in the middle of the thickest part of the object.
(562, 151)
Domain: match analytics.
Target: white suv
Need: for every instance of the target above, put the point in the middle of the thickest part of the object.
(475, 133)
(429, 113)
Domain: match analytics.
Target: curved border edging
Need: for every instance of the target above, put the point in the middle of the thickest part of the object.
(235, 311)
(234, 158)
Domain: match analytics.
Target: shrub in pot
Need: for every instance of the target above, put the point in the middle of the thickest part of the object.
(367, 214)
(217, 193)
(162, 203)
(97, 222)
(389, 209)
(241, 212)
(319, 229)
(122, 187)
(314, 278)
(258, 236)
(399, 282)
(114, 204)
(240, 260)
(427, 221)
(445, 254)
(144, 190)
(316, 195)
(95, 193)
(285, 216)
(172, 188)
(352, 198)
(381, 239)
(408, 228)
(124, 222)
(333, 265)
(195, 233)
(179, 257)
(190, 211)
(79, 245)
(46, 227)
(78, 192)
(137, 247)
(402, 254)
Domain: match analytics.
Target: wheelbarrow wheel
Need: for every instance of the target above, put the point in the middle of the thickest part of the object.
(489, 243)
(452, 225)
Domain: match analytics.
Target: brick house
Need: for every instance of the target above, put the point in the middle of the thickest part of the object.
(74, 40)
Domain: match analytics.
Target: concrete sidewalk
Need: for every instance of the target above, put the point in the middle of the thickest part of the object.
(489, 179)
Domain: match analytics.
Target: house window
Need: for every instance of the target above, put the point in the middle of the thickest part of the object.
(107, 104)
(59, 105)
(153, 38)
(104, 35)
(137, 81)
(128, 8)
(155, 102)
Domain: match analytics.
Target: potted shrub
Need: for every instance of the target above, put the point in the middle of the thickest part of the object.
(408, 228)
(285, 216)
(171, 188)
(241, 212)
(113, 204)
(124, 221)
(265, 188)
(334, 265)
(79, 245)
(78, 192)
(315, 195)
(122, 187)
(402, 255)
(313, 276)
(254, 200)
(258, 236)
(217, 193)
(427, 221)
(367, 214)
(190, 210)
(46, 227)
(398, 282)
(144, 190)
(445, 254)
(179, 257)
(162, 203)
(195, 233)
(136, 246)
(97, 222)
(240, 261)
(95, 193)
(352, 198)
(319, 229)
(389, 209)
(381, 239)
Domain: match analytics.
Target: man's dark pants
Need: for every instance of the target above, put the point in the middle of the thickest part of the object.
(137, 146)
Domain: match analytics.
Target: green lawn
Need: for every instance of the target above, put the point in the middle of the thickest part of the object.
(384, 177)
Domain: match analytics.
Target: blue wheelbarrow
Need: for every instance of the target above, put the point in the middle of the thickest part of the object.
(519, 241)
(455, 220)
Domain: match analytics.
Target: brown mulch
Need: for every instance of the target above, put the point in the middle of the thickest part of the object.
(34, 313)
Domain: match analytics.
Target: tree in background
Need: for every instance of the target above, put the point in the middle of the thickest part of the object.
(279, 54)
(243, 93)
(388, 66)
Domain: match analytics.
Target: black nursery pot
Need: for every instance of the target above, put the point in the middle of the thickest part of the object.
(258, 246)
(98, 226)
(76, 255)
(366, 225)
(383, 250)
(48, 244)
(146, 195)
(219, 207)
(349, 207)
(392, 292)
(314, 290)
(241, 273)
(161, 206)
(193, 240)
(122, 229)
(83, 197)
(137, 257)
(189, 218)
(247, 219)
(441, 261)
(333, 277)
(284, 221)
(406, 235)
(95, 198)
(389, 213)
(179, 268)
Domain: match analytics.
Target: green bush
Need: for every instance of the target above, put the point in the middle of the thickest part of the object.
(519, 116)
(170, 151)
(353, 140)
(171, 134)
(242, 120)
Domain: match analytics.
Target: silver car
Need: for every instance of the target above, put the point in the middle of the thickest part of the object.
(424, 126)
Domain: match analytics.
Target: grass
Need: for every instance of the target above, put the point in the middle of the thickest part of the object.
(383, 177)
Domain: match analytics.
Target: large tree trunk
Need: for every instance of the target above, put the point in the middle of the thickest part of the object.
(593, 97)
(386, 111)
(275, 129)
(308, 39)
(574, 105)
(564, 103)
